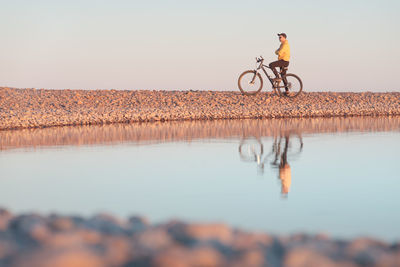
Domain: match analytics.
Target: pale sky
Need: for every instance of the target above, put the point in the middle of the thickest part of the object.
(200, 45)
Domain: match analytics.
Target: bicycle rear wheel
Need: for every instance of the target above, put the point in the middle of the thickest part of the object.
(250, 82)
(292, 87)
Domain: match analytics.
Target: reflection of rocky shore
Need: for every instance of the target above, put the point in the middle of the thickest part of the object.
(189, 130)
(59, 241)
(23, 108)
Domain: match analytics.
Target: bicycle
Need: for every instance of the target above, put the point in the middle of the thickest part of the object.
(292, 84)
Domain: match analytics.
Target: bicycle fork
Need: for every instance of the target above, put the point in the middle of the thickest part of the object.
(254, 77)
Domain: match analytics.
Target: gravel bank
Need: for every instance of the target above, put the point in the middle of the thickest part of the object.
(25, 108)
(103, 240)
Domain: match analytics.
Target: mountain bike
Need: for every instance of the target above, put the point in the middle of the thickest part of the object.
(250, 81)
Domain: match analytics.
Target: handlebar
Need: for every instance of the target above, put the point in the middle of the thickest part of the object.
(260, 59)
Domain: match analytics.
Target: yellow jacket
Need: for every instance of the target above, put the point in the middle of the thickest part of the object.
(284, 51)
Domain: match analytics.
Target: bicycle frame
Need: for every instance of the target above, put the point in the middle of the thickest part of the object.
(262, 66)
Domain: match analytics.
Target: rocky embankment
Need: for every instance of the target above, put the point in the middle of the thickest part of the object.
(25, 108)
(103, 240)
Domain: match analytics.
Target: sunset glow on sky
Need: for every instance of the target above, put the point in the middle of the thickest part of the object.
(200, 45)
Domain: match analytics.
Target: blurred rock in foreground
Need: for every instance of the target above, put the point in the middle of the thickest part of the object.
(103, 240)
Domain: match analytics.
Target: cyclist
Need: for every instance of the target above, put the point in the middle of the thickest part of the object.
(285, 173)
(283, 57)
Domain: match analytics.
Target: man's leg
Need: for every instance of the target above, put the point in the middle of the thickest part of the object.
(283, 74)
(274, 65)
(284, 65)
(280, 63)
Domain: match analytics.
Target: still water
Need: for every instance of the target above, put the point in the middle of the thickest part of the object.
(336, 176)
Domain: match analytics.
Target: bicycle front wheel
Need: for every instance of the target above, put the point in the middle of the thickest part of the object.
(292, 87)
(250, 148)
(250, 82)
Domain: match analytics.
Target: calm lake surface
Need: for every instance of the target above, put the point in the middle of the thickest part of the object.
(336, 176)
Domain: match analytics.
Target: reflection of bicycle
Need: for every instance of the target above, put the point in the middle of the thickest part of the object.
(251, 149)
(250, 81)
(283, 147)
(292, 147)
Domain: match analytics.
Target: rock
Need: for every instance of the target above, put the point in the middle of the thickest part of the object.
(303, 257)
(118, 251)
(61, 224)
(63, 258)
(106, 223)
(153, 239)
(5, 217)
(137, 224)
(31, 226)
(190, 233)
(183, 257)
(250, 258)
(244, 240)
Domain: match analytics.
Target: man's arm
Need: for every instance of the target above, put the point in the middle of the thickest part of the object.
(282, 51)
(277, 50)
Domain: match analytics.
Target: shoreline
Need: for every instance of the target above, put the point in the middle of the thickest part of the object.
(31, 239)
(39, 108)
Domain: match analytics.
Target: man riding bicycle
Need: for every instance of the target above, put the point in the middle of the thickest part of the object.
(283, 57)
(250, 82)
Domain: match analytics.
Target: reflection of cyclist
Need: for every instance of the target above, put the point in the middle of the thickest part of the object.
(285, 174)
(283, 56)
(252, 150)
